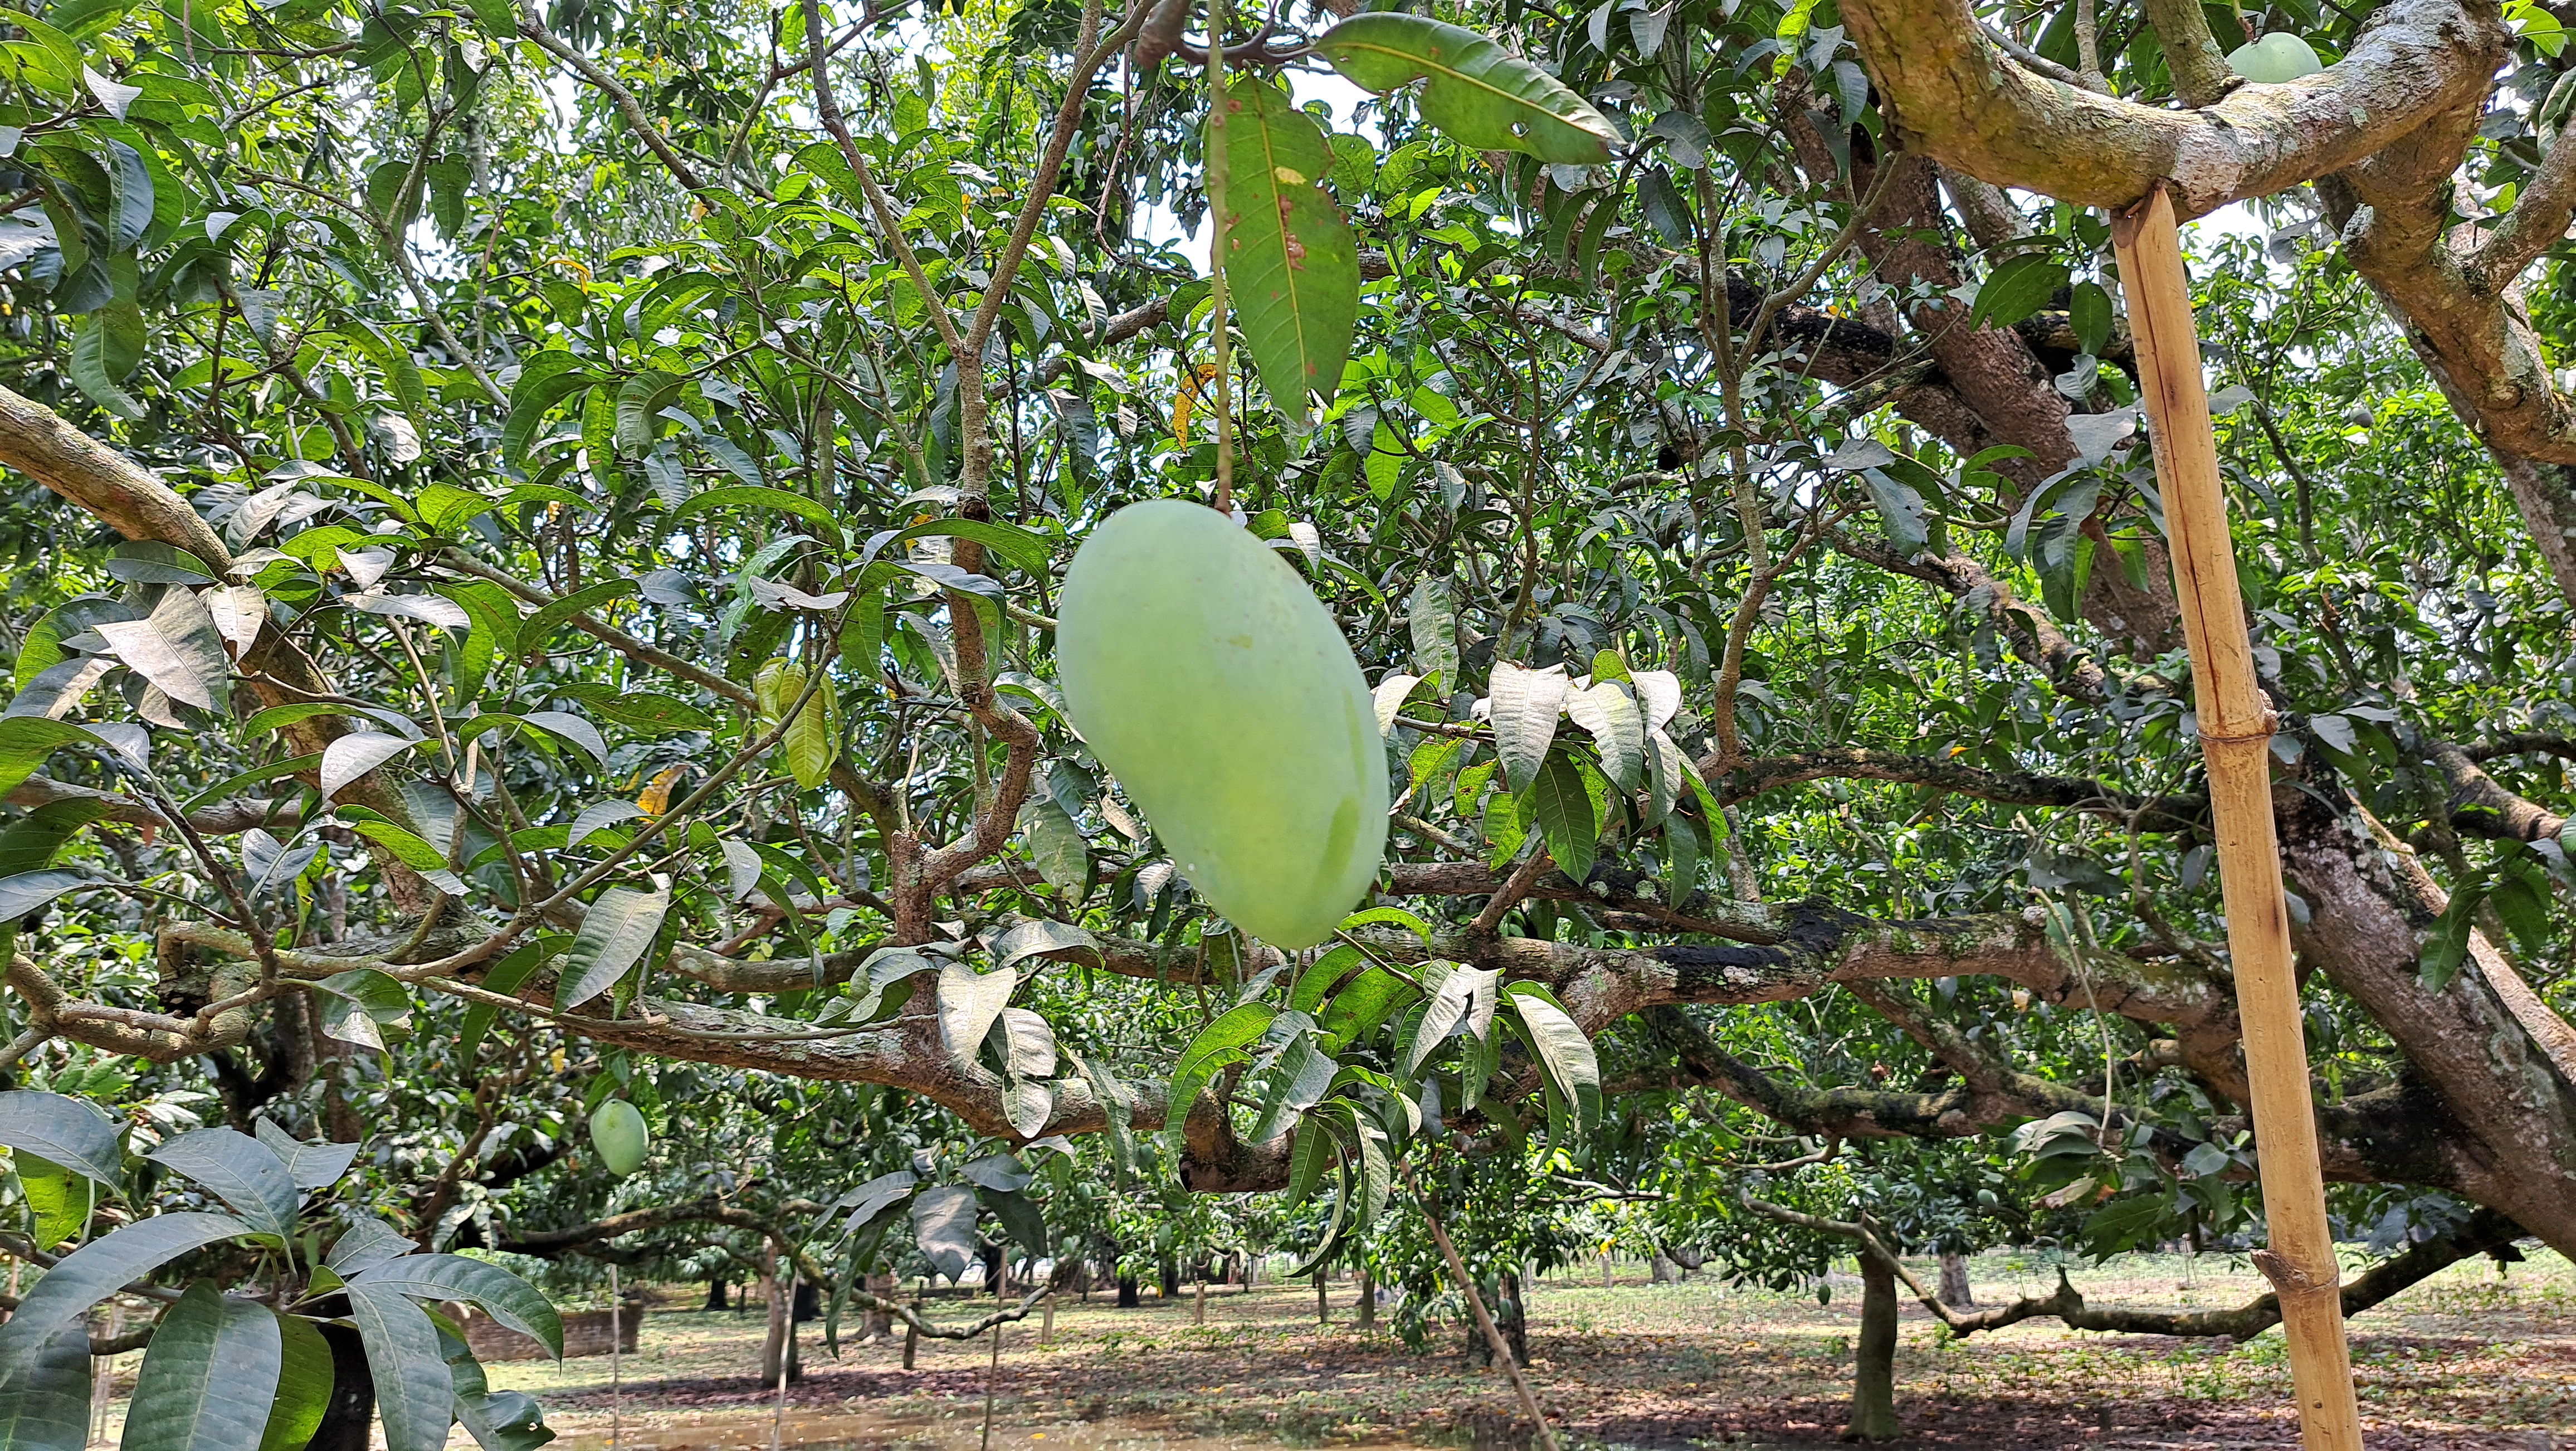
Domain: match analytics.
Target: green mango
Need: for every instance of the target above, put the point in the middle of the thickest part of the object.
(2277, 57)
(618, 1132)
(1209, 679)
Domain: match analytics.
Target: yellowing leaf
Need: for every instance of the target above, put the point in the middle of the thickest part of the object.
(657, 795)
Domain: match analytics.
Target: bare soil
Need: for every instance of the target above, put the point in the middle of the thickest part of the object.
(2472, 1360)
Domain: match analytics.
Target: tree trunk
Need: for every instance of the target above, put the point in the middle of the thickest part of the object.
(1170, 1270)
(780, 1347)
(1129, 1296)
(809, 1303)
(1665, 1271)
(1873, 1416)
(1323, 1303)
(1368, 1300)
(716, 1295)
(1955, 1291)
(877, 1324)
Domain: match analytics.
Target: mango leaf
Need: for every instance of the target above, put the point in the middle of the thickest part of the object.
(44, 1403)
(27, 893)
(240, 1170)
(93, 374)
(1038, 935)
(969, 1002)
(413, 1390)
(1220, 1043)
(613, 938)
(943, 1224)
(25, 741)
(1563, 810)
(356, 754)
(358, 1000)
(1291, 265)
(177, 648)
(536, 631)
(500, 1294)
(759, 498)
(1020, 1218)
(209, 1379)
(2017, 289)
(544, 380)
(102, 1267)
(311, 1166)
(1609, 713)
(1481, 95)
(62, 1200)
(1563, 1052)
(368, 1243)
(1524, 706)
(65, 1131)
(304, 1380)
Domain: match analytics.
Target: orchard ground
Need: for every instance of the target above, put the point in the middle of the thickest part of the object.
(2471, 1360)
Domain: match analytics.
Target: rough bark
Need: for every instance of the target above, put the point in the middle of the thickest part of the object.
(1873, 1412)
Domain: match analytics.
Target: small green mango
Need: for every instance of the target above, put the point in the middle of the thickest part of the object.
(2277, 57)
(1209, 679)
(618, 1132)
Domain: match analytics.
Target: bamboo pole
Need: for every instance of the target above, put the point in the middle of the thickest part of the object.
(2235, 740)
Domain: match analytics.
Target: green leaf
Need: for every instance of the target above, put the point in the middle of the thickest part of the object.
(1020, 1218)
(102, 1267)
(65, 1131)
(505, 978)
(1563, 810)
(813, 739)
(1524, 707)
(1481, 95)
(368, 1243)
(27, 893)
(1218, 1044)
(413, 1390)
(1313, 1152)
(1056, 847)
(1564, 1053)
(178, 649)
(61, 1200)
(639, 405)
(502, 1295)
(413, 851)
(537, 630)
(1019, 547)
(243, 1172)
(91, 372)
(210, 1377)
(358, 1000)
(25, 741)
(758, 497)
(544, 381)
(30, 842)
(614, 935)
(1608, 712)
(44, 1403)
(311, 1166)
(2017, 289)
(1291, 266)
(304, 1380)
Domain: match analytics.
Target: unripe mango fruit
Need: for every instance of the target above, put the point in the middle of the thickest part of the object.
(1209, 679)
(2277, 57)
(617, 1131)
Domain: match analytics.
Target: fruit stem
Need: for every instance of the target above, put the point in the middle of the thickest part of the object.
(1218, 181)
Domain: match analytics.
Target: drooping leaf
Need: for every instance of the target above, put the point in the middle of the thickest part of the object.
(1221, 1042)
(969, 1002)
(1564, 1053)
(1524, 708)
(414, 1393)
(614, 936)
(1562, 807)
(1292, 268)
(1481, 95)
(368, 1243)
(943, 1224)
(209, 1378)
(1609, 713)
(311, 1166)
(2017, 289)
(356, 754)
(304, 1380)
